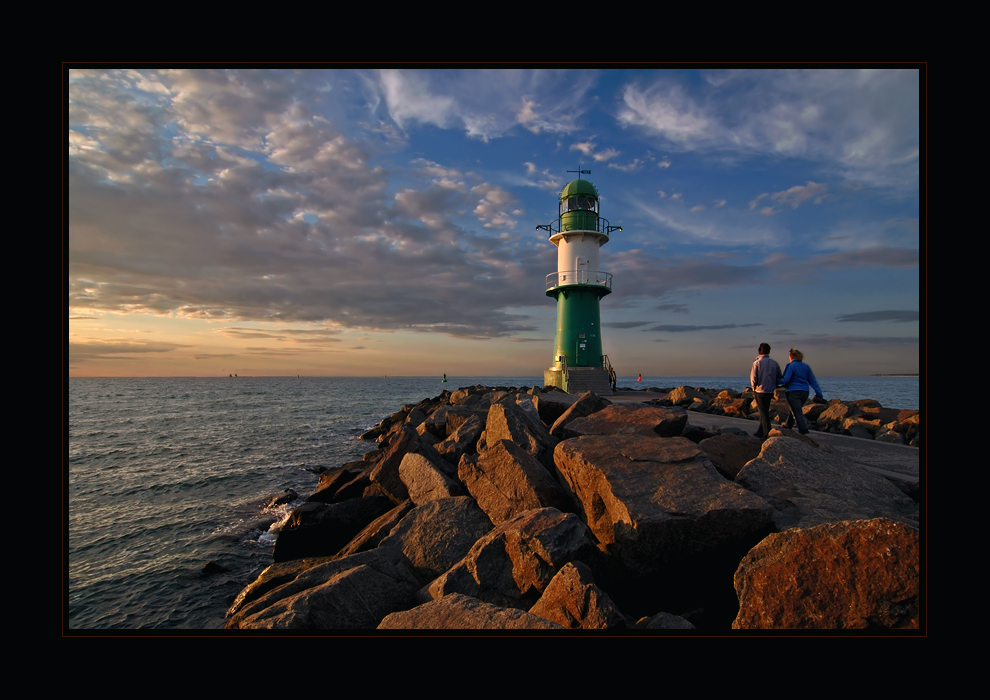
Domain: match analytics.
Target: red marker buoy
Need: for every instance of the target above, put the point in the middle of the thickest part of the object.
(640, 378)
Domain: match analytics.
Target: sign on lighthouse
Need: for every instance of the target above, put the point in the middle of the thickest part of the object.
(578, 285)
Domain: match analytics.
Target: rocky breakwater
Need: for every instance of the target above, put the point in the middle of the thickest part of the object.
(497, 508)
(863, 418)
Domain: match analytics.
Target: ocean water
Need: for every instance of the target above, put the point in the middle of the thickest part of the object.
(167, 474)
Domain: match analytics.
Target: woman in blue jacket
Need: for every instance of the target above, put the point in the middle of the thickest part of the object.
(797, 379)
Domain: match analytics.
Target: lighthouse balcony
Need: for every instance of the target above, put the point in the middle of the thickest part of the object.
(567, 278)
(591, 223)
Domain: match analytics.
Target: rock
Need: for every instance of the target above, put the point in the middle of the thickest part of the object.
(331, 481)
(587, 404)
(425, 481)
(738, 407)
(508, 422)
(377, 530)
(460, 612)
(860, 574)
(650, 501)
(808, 487)
(319, 529)
(385, 474)
(665, 621)
(279, 499)
(551, 405)
(729, 452)
(437, 534)
(622, 419)
(686, 395)
(513, 564)
(355, 592)
(464, 440)
(506, 480)
(572, 600)
(211, 567)
(837, 412)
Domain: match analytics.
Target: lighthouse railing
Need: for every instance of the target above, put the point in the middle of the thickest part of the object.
(583, 276)
(603, 226)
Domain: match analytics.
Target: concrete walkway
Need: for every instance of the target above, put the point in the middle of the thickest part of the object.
(892, 461)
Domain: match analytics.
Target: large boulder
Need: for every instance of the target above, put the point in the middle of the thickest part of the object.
(730, 452)
(573, 600)
(860, 574)
(385, 474)
(351, 593)
(807, 486)
(512, 565)
(623, 419)
(377, 530)
(506, 421)
(587, 403)
(437, 534)
(320, 529)
(464, 440)
(651, 501)
(425, 481)
(506, 480)
(461, 612)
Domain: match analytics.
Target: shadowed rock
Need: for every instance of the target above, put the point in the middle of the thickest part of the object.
(351, 593)
(377, 530)
(512, 564)
(462, 441)
(848, 575)
(318, 529)
(460, 612)
(807, 487)
(588, 403)
(729, 453)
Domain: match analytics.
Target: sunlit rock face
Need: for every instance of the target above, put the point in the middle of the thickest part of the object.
(861, 574)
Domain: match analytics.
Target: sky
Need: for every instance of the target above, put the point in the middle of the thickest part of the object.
(360, 222)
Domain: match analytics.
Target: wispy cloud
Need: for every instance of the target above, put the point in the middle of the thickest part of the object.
(871, 316)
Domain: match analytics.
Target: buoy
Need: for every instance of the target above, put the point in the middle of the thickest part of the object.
(639, 378)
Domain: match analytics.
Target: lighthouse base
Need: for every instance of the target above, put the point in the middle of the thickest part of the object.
(578, 380)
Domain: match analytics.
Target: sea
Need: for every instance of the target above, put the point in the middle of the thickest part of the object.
(166, 475)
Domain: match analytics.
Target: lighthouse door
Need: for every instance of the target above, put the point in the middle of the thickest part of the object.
(581, 270)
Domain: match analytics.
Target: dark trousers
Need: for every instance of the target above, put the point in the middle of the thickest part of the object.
(763, 406)
(796, 399)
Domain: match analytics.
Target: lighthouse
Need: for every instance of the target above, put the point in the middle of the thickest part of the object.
(578, 285)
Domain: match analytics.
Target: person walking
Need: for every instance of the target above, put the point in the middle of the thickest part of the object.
(798, 379)
(764, 378)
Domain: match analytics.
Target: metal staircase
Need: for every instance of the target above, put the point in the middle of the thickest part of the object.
(582, 379)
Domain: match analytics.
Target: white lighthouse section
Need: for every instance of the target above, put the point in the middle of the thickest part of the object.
(578, 256)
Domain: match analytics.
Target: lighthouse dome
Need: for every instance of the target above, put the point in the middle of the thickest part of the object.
(578, 187)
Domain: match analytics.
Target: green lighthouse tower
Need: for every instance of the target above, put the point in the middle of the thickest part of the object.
(578, 285)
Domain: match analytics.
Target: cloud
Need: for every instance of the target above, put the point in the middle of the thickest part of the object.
(486, 104)
(272, 214)
(588, 149)
(120, 349)
(863, 125)
(870, 316)
(626, 324)
(688, 329)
